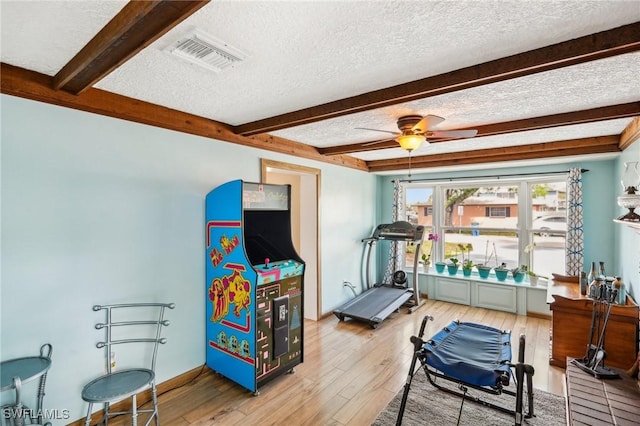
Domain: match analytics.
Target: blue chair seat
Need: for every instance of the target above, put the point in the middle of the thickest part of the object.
(121, 384)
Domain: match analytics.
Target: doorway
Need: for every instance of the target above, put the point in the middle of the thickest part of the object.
(305, 190)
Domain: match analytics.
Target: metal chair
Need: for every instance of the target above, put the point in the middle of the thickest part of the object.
(127, 383)
(16, 372)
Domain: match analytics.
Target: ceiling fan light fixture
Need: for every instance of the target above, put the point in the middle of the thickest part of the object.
(410, 142)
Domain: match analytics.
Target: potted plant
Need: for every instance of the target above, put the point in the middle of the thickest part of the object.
(467, 264)
(519, 273)
(426, 257)
(425, 260)
(452, 267)
(483, 268)
(501, 272)
(440, 267)
(533, 277)
(467, 267)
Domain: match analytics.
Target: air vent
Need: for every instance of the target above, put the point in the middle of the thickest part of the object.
(207, 52)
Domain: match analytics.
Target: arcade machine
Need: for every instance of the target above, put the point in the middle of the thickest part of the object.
(379, 301)
(254, 288)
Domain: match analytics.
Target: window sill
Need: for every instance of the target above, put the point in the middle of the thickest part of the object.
(542, 282)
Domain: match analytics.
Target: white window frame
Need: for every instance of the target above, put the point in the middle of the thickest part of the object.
(524, 230)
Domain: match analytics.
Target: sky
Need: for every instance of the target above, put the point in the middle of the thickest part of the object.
(416, 195)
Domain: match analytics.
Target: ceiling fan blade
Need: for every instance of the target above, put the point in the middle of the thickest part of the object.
(377, 130)
(377, 142)
(453, 134)
(427, 122)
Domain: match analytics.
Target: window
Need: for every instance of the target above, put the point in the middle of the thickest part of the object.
(497, 211)
(420, 200)
(517, 222)
(480, 224)
(548, 229)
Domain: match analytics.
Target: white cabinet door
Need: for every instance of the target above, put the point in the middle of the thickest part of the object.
(496, 296)
(454, 291)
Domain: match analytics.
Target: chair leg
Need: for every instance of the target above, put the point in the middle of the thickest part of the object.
(87, 421)
(18, 410)
(134, 411)
(154, 395)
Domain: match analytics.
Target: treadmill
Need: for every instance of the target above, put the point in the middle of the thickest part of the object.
(379, 301)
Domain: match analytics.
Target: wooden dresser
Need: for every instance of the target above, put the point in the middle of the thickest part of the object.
(571, 324)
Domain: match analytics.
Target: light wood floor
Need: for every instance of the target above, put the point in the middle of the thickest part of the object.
(350, 372)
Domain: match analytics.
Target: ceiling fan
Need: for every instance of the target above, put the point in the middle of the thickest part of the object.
(414, 130)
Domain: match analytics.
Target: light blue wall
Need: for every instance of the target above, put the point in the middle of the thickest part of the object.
(99, 210)
(342, 247)
(627, 239)
(599, 188)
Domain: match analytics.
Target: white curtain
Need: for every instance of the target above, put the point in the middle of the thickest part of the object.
(395, 252)
(574, 256)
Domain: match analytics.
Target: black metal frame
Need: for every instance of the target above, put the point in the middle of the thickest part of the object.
(521, 370)
(593, 361)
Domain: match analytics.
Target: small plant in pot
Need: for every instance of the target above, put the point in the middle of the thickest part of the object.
(483, 270)
(467, 264)
(467, 267)
(452, 267)
(533, 277)
(519, 273)
(425, 259)
(501, 272)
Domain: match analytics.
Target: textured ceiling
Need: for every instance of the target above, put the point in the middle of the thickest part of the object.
(304, 53)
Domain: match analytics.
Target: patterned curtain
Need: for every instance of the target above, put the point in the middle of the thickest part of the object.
(395, 252)
(574, 256)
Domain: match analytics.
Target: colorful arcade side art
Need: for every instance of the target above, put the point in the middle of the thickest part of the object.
(254, 285)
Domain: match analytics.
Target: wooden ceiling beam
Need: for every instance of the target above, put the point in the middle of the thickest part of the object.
(136, 26)
(596, 145)
(630, 134)
(508, 150)
(593, 115)
(612, 112)
(600, 45)
(461, 161)
(357, 147)
(26, 84)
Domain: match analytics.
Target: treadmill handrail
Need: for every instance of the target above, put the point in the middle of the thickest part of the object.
(412, 234)
(370, 242)
(416, 260)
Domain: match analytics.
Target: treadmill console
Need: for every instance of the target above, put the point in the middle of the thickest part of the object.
(399, 231)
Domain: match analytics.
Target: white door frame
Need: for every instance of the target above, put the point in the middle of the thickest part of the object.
(313, 289)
